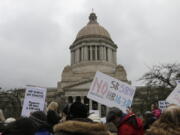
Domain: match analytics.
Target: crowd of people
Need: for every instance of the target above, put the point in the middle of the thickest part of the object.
(76, 120)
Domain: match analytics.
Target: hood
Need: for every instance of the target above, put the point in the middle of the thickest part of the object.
(83, 128)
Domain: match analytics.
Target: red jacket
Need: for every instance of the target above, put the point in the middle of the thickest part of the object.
(127, 129)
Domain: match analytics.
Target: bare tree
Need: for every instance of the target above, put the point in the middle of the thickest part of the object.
(163, 75)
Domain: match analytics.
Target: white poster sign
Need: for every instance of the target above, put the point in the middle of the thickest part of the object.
(111, 92)
(34, 100)
(174, 97)
(94, 112)
(163, 104)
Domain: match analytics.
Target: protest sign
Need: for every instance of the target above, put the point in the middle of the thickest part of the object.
(163, 104)
(34, 100)
(94, 112)
(174, 97)
(111, 92)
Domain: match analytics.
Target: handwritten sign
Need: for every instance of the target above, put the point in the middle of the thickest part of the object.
(34, 100)
(174, 97)
(111, 92)
(163, 104)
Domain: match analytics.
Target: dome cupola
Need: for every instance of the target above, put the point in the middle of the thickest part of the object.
(93, 45)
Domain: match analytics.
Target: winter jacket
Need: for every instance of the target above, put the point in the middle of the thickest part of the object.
(80, 128)
(125, 128)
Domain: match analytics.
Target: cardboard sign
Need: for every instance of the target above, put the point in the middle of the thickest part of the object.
(163, 104)
(34, 100)
(174, 97)
(111, 92)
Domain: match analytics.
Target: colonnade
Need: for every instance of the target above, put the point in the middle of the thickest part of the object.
(93, 53)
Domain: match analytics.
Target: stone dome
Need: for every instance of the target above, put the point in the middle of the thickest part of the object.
(93, 29)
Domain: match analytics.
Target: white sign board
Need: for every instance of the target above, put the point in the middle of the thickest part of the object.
(94, 112)
(111, 92)
(163, 104)
(174, 97)
(34, 100)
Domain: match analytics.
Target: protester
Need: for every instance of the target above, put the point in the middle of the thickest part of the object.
(66, 110)
(40, 120)
(155, 110)
(113, 119)
(130, 125)
(22, 126)
(168, 123)
(148, 119)
(78, 110)
(80, 128)
(52, 114)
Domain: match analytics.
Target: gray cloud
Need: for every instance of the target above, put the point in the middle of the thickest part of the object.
(35, 36)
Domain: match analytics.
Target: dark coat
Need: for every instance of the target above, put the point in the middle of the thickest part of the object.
(52, 118)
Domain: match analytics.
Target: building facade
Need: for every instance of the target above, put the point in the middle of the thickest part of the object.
(92, 50)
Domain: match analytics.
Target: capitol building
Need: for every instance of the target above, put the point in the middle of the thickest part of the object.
(92, 50)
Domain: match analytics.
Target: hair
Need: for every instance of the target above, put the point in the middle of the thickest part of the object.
(2, 118)
(112, 114)
(168, 123)
(132, 121)
(53, 106)
(78, 99)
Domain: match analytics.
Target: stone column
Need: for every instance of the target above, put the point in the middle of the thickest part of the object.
(99, 108)
(90, 104)
(90, 52)
(110, 55)
(107, 110)
(104, 50)
(85, 53)
(101, 52)
(82, 52)
(74, 98)
(82, 99)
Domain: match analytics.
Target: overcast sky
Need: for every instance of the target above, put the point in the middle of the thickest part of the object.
(35, 36)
